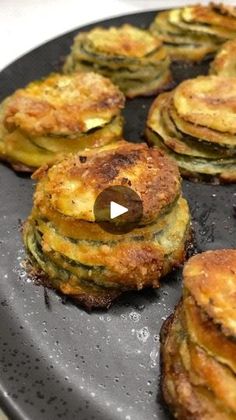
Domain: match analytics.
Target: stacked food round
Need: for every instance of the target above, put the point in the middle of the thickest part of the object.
(193, 32)
(196, 125)
(72, 252)
(58, 115)
(134, 59)
(199, 341)
(224, 63)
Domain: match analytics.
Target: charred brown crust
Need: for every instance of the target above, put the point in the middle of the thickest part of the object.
(221, 179)
(87, 300)
(90, 302)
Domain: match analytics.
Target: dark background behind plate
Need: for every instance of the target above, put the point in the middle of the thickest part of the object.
(60, 362)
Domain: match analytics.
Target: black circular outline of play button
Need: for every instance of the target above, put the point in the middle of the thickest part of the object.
(125, 197)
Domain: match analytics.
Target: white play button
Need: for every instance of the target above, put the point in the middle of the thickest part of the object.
(117, 210)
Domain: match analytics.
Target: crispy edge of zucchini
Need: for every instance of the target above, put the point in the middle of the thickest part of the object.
(215, 343)
(205, 134)
(191, 169)
(184, 399)
(176, 140)
(88, 297)
(172, 243)
(25, 154)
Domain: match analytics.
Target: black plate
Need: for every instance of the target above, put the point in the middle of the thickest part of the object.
(56, 360)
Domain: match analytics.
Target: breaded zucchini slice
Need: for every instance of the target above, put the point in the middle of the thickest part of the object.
(215, 343)
(184, 138)
(67, 246)
(213, 18)
(198, 341)
(126, 41)
(183, 45)
(224, 144)
(110, 265)
(186, 398)
(204, 370)
(192, 33)
(134, 59)
(58, 115)
(202, 19)
(198, 169)
(149, 172)
(224, 63)
(193, 124)
(208, 101)
(210, 278)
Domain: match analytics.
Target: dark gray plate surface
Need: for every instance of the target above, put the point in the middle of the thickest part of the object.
(56, 360)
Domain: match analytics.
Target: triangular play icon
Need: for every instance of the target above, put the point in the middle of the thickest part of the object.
(117, 210)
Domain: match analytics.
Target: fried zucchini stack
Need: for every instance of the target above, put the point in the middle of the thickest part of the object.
(58, 115)
(199, 341)
(191, 33)
(224, 63)
(70, 250)
(134, 59)
(196, 125)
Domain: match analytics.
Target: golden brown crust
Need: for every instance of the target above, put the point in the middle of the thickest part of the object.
(126, 41)
(214, 342)
(192, 33)
(224, 63)
(73, 251)
(131, 265)
(210, 278)
(198, 341)
(224, 9)
(208, 101)
(25, 155)
(149, 172)
(201, 153)
(80, 229)
(204, 370)
(182, 45)
(205, 134)
(63, 105)
(183, 19)
(185, 399)
(185, 138)
(132, 57)
(128, 263)
(210, 16)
